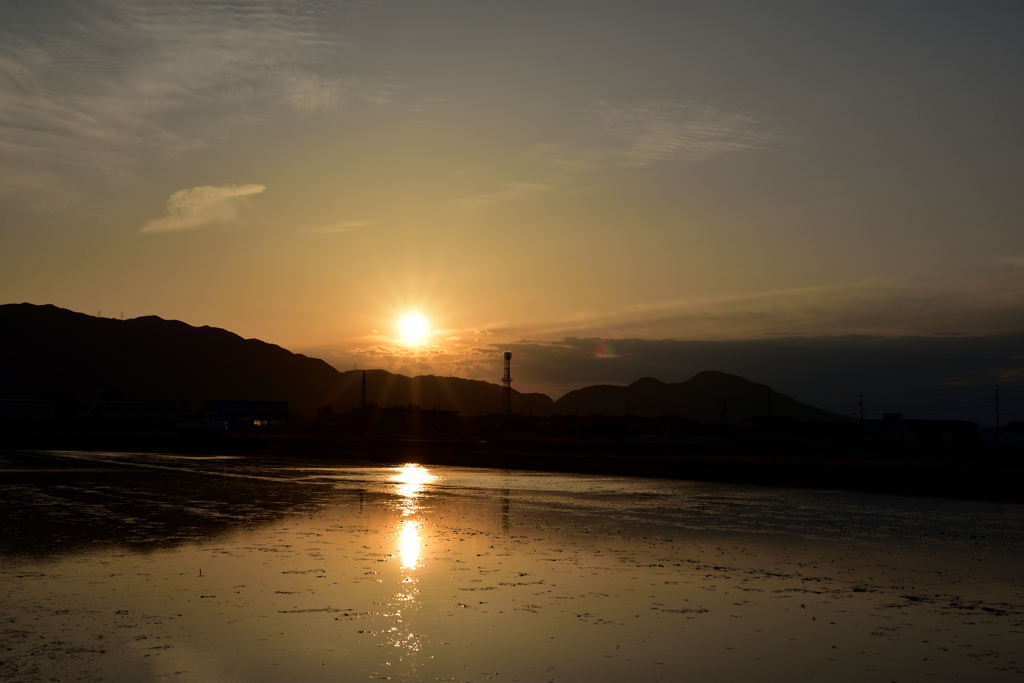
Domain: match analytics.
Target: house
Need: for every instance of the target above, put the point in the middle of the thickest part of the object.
(251, 415)
(1009, 433)
(894, 428)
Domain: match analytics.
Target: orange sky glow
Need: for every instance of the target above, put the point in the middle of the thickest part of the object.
(527, 174)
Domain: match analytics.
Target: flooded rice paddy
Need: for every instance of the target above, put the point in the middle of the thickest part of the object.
(132, 567)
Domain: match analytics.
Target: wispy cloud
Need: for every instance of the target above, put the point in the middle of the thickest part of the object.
(1015, 261)
(344, 226)
(987, 305)
(94, 89)
(649, 131)
(199, 206)
(508, 192)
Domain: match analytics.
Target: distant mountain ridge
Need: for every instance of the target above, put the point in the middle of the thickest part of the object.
(709, 396)
(47, 351)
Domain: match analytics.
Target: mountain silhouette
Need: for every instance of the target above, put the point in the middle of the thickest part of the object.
(706, 397)
(48, 351)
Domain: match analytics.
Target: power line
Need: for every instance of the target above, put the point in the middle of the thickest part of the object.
(944, 393)
(924, 410)
(1002, 388)
(833, 398)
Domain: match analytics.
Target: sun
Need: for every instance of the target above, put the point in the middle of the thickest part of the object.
(413, 328)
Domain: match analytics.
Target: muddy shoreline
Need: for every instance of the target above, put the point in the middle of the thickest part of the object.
(156, 567)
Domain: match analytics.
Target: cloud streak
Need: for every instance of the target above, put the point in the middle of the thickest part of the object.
(652, 131)
(92, 90)
(342, 227)
(984, 305)
(508, 192)
(199, 206)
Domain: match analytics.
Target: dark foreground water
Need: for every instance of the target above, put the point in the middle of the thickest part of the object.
(132, 567)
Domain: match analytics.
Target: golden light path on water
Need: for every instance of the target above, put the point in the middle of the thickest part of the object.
(409, 544)
(411, 479)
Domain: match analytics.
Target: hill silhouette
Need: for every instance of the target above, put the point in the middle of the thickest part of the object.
(708, 396)
(48, 351)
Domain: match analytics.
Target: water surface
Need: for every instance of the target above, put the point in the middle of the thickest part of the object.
(118, 566)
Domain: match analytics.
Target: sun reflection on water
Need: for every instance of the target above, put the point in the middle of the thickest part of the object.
(411, 479)
(409, 544)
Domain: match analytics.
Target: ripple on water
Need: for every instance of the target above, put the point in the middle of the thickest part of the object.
(187, 568)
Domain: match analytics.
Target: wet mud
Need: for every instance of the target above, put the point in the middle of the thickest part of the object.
(134, 567)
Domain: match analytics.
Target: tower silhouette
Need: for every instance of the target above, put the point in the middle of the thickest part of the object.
(506, 386)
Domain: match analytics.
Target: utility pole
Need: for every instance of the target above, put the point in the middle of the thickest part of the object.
(860, 405)
(997, 413)
(506, 387)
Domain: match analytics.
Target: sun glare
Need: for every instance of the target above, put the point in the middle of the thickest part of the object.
(413, 328)
(409, 544)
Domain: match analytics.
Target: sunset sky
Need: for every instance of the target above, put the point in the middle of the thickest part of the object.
(580, 182)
